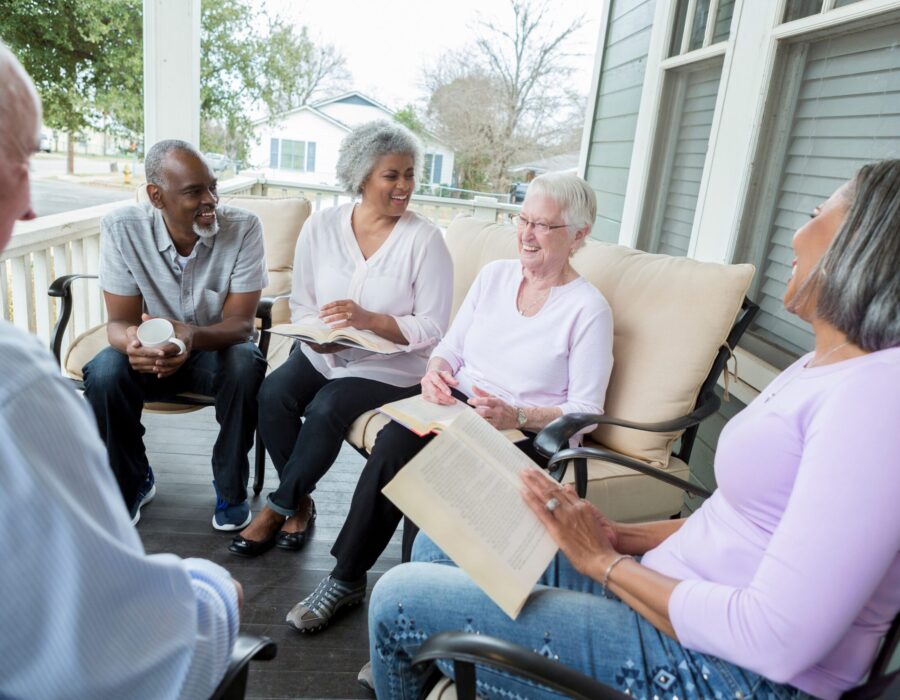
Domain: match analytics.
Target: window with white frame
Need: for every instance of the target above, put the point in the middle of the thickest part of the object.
(286, 154)
(431, 173)
(692, 74)
(835, 107)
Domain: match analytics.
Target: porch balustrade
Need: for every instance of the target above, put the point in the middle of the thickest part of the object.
(68, 243)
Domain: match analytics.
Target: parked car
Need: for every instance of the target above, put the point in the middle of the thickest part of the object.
(219, 162)
(45, 145)
(517, 192)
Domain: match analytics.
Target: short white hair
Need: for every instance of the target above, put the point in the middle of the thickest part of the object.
(574, 196)
(20, 109)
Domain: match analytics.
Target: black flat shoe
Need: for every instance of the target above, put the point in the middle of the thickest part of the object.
(243, 547)
(293, 541)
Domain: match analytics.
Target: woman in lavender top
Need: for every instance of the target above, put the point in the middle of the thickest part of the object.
(531, 341)
(784, 581)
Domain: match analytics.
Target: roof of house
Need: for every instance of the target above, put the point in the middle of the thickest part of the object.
(561, 163)
(351, 97)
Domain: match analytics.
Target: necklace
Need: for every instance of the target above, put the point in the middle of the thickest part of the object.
(813, 363)
(808, 365)
(525, 310)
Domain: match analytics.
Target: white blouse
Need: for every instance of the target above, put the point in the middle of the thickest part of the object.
(410, 277)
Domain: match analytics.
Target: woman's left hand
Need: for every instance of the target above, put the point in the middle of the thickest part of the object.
(582, 532)
(495, 411)
(345, 313)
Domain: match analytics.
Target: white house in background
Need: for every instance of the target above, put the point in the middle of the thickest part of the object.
(304, 142)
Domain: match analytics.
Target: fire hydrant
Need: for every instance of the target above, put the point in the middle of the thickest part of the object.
(126, 174)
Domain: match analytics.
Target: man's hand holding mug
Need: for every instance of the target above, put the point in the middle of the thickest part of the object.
(157, 347)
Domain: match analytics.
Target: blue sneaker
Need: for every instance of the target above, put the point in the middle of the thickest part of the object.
(230, 516)
(146, 493)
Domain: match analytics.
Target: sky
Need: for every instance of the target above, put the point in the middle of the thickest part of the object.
(387, 43)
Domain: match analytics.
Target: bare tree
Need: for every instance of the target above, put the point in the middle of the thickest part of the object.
(510, 94)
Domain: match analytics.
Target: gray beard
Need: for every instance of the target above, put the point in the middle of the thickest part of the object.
(206, 231)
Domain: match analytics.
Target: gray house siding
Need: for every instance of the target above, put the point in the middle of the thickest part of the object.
(615, 113)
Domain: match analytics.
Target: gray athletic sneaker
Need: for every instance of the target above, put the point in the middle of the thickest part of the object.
(315, 611)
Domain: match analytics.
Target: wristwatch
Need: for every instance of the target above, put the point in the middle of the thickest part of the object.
(521, 420)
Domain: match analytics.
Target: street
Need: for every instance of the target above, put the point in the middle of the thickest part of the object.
(54, 196)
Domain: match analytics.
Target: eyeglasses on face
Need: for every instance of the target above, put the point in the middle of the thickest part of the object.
(538, 226)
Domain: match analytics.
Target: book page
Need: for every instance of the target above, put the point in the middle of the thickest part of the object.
(475, 512)
(349, 337)
(490, 443)
(423, 417)
(365, 340)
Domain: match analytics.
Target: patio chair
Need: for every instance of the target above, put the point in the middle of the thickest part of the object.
(282, 219)
(466, 649)
(246, 649)
(675, 322)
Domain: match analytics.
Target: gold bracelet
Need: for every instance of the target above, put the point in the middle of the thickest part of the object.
(612, 566)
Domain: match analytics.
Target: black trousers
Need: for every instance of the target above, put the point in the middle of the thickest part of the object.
(117, 394)
(372, 519)
(303, 451)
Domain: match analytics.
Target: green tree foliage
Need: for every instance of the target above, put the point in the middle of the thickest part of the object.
(249, 58)
(410, 118)
(84, 57)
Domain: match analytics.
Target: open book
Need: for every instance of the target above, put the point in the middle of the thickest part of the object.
(463, 489)
(351, 337)
(423, 417)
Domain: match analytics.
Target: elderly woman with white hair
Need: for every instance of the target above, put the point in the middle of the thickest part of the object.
(531, 342)
(373, 265)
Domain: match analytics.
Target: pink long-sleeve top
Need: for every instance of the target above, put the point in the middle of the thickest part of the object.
(560, 357)
(791, 568)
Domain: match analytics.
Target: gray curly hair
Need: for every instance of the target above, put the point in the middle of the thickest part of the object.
(368, 142)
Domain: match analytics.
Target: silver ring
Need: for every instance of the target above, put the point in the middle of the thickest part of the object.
(552, 504)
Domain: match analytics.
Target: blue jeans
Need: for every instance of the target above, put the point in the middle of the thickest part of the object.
(117, 394)
(569, 618)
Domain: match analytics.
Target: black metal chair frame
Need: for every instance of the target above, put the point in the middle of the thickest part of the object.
(466, 649)
(552, 440)
(247, 647)
(61, 288)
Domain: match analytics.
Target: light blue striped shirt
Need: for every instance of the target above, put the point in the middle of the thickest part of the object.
(84, 612)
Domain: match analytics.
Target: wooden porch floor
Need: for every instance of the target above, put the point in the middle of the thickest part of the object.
(178, 521)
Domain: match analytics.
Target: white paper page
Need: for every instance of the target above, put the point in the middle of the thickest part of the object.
(476, 514)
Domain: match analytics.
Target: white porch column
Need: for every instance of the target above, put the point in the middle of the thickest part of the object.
(171, 71)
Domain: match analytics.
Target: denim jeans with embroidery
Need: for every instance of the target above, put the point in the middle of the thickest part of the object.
(568, 617)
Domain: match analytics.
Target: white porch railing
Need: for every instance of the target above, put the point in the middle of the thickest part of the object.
(68, 243)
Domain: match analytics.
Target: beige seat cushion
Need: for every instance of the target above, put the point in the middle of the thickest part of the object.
(670, 316)
(629, 496)
(444, 690)
(88, 344)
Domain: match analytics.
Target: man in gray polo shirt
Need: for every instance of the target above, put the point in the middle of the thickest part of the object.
(181, 258)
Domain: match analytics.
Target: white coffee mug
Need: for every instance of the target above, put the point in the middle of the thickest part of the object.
(157, 332)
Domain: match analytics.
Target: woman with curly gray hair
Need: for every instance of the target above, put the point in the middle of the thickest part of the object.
(372, 265)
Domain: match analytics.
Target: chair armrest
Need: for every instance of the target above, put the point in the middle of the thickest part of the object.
(264, 313)
(246, 648)
(61, 288)
(581, 454)
(466, 649)
(557, 434)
